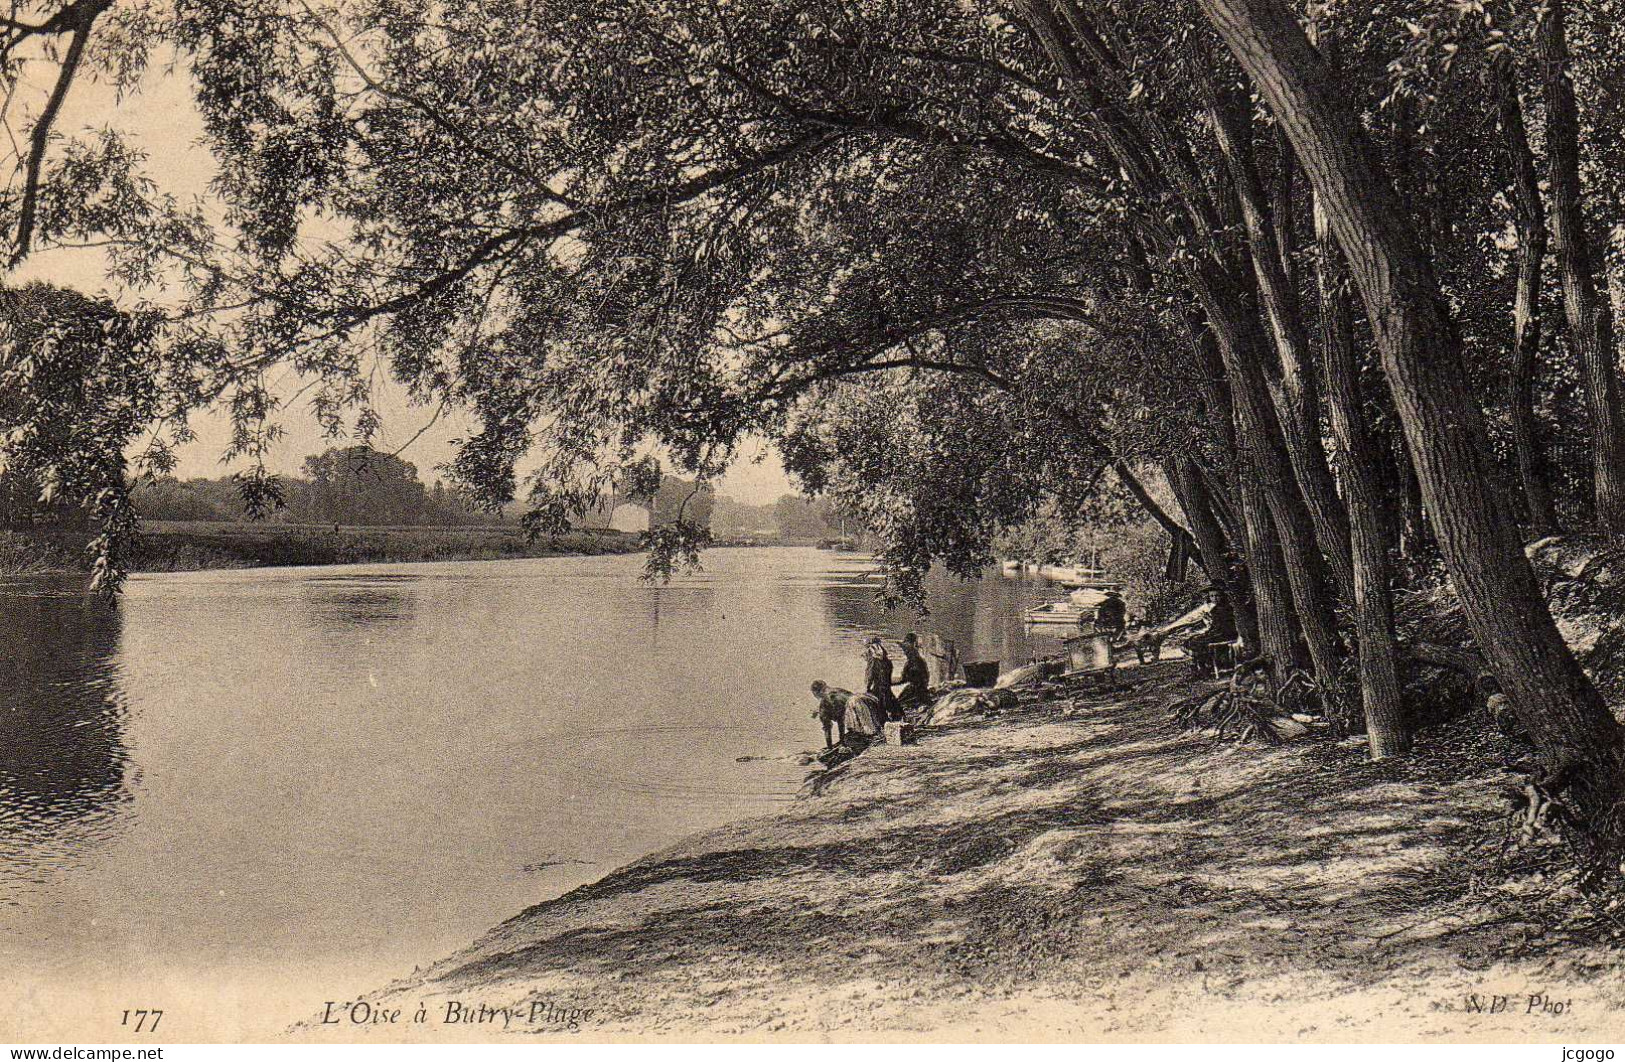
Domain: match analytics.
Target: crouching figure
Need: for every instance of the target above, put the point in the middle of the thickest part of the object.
(832, 705)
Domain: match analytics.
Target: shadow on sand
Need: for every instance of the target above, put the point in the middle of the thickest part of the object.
(1068, 851)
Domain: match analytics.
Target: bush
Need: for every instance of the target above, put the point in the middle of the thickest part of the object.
(23, 554)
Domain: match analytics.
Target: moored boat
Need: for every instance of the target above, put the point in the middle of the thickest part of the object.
(1076, 607)
(1058, 612)
(1078, 575)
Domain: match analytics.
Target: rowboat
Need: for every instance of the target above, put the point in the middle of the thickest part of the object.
(1079, 575)
(1076, 607)
(1058, 613)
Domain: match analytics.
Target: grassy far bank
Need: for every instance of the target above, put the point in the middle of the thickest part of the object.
(1075, 868)
(172, 546)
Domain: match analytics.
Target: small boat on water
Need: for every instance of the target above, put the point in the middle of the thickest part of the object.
(1059, 613)
(843, 543)
(1076, 607)
(1077, 575)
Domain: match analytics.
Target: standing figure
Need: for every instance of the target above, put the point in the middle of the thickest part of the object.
(877, 681)
(1111, 615)
(916, 678)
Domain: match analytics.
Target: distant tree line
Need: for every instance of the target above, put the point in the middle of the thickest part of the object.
(361, 486)
(788, 518)
(353, 485)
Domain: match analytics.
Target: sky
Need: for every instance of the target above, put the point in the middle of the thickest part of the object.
(162, 119)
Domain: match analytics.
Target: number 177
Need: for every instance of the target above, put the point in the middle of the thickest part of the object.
(145, 1020)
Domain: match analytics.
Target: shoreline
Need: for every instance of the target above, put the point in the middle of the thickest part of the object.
(177, 547)
(1071, 868)
(174, 546)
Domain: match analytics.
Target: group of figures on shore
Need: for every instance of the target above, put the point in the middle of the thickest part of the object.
(1208, 631)
(867, 713)
(886, 698)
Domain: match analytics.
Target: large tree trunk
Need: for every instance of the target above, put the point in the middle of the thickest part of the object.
(1296, 397)
(1265, 597)
(1416, 544)
(1259, 440)
(1221, 557)
(1386, 728)
(1422, 358)
(1281, 208)
(1225, 501)
(1221, 416)
(1590, 318)
(1272, 598)
(1531, 222)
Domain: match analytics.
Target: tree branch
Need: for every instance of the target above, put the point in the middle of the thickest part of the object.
(487, 250)
(1175, 529)
(83, 18)
(441, 122)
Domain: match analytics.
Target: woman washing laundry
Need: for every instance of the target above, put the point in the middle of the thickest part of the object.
(877, 678)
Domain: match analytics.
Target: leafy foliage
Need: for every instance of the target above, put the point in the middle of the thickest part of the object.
(631, 235)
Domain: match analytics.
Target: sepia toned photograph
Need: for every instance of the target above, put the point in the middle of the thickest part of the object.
(572, 522)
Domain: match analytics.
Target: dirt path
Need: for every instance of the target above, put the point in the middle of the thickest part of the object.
(1075, 869)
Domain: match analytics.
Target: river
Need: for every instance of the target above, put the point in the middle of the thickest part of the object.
(249, 792)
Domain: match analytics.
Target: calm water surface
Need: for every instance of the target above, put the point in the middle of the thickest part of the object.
(289, 784)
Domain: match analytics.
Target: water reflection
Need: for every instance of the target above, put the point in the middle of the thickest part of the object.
(983, 617)
(358, 770)
(676, 600)
(360, 601)
(63, 762)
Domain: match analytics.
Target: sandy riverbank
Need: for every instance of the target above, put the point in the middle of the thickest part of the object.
(1072, 869)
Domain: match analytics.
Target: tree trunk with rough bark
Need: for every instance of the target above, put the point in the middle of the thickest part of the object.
(1294, 392)
(1221, 557)
(1242, 344)
(1272, 598)
(1265, 597)
(1281, 206)
(1225, 501)
(1422, 357)
(1590, 318)
(1221, 414)
(1387, 731)
(1532, 238)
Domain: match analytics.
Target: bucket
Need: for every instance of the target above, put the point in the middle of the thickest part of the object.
(981, 672)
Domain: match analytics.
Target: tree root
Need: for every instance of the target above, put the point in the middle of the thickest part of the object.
(1247, 706)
